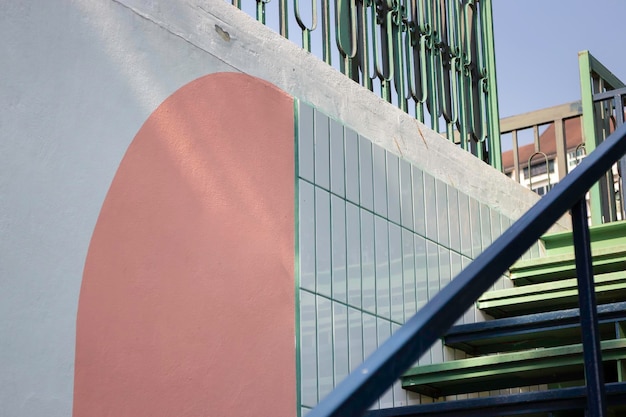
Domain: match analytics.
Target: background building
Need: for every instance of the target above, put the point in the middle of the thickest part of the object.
(547, 144)
(539, 166)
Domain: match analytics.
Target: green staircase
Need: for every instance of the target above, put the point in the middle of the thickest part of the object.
(534, 337)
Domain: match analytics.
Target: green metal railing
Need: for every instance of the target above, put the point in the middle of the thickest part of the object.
(434, 59)
(599, 120)
(600, 111)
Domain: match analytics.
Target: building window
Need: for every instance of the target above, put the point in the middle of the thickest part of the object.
(539, 168)
(574, 157)
(543, 189)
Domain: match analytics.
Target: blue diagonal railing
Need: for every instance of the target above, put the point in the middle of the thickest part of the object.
(370, 380)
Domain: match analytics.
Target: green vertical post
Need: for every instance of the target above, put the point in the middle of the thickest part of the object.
(493, 112)
(363, 46)
(589, 129)
(620, 333)
(345, 35)
(397, 59)
(296, 272)
(326, 33)
(283, 18)
(260, 11)
(596, 78)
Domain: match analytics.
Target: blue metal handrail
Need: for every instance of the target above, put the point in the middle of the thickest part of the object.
(378, 372)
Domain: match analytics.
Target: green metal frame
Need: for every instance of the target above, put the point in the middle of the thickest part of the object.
(606, 235)
(555, 267)
(494, 122)
(550, 296)
(430, 58)
(596, 78)
(507, 370)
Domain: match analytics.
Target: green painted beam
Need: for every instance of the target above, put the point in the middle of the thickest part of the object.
(508, 370)
(589, 129)
(551, 296)
(558, 267)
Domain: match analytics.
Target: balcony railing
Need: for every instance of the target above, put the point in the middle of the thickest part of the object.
(564, 134)
(551, 120)
(603, 109)
(434, 59)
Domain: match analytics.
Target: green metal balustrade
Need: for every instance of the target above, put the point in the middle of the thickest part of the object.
(598, 113)
(601, 115)
(433, 59)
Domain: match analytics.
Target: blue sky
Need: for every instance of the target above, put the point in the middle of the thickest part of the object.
(537, 44)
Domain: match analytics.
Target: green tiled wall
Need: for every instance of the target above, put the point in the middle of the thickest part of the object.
(377, 238)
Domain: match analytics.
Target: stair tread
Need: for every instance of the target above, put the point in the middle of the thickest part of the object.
(550, 296)
(602, 235)
(562, 399)
(530, 331)
(506, 370)
(563, 266)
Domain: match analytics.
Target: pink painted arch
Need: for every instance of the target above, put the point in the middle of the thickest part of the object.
(187, 301)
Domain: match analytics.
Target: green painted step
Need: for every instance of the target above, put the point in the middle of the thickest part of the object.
(602, 236)
(563, 266)
(508, 370)
(550, 296)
